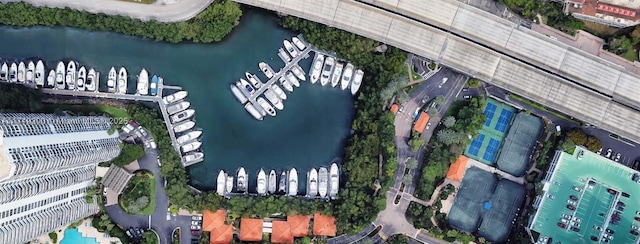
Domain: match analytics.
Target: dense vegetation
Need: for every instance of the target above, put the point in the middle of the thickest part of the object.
(211, 25)
(19, 98)
(103, 223)
(578, 137)
(139, 195)
(550, 11)
(128, 154)
(624, 46)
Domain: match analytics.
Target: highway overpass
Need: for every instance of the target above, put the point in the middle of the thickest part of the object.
(489, 48)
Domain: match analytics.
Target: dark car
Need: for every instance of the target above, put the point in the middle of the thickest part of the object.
(562, 225)
(575, 229)
(634, 232)
(594, 238)
(637, 218)
(612, 191)
(572, 197)
(571, 207)
(624, 194)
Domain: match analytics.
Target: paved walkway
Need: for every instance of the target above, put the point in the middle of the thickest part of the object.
(519, 180)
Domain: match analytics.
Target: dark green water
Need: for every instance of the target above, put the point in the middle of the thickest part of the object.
(310, 132)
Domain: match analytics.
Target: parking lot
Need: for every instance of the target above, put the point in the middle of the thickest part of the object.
(196, 228)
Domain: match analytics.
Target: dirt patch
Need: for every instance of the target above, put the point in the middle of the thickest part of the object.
(599, 29)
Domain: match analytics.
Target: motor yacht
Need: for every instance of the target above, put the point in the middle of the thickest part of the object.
(60, 71)
(292, 79)
(293, 182)
(178, 107)
(273, 182)
(247, 87)
(316, 69)
(253, 111)
(337, 73)
(111, 81)
(323, 179)
(31, 67)
(285, 84)
(184, 126)
(266, 106)
(262, 183)
(289, 47)
(229, 187)
(334, 180)
(22, 69)
(190, 136)
(143, 83)
(357, 80)
(90, 83)
(312, 179)
(238, 94)
(243, 180)
(266, 69)
(192, 157)
(298, 72)
(192, 146)
(51, 79)
(4, 72)
(222, 181)
(174, 97)
(179, 117)
(274, 99)
(255, 82)
(82, 77)
(283, 54)
(327, 70)
(346, 76)
(39, 73)
(153, 86)
(70, 78)
(298, 43)
(275, 88)
(282, 185)
(13, 73)
(122, 81)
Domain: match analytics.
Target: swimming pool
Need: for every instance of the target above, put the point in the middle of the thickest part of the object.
(73, 236)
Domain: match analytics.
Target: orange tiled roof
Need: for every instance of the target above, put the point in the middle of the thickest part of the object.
(394, 108)
(324, 225)
(457, 169)
(299, 225)
(250, 229)
(221, 235)
(421, 123)
(212, 220)
(281, 232)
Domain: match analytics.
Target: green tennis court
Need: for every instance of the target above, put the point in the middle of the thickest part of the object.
(484, 148)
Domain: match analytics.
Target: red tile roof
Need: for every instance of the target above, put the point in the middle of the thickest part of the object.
(221, 235)
(324, 225)
(281, 232)
(250, 229)
(299, 225)
(212, 220)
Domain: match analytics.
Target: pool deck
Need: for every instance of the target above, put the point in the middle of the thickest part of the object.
(87, 230)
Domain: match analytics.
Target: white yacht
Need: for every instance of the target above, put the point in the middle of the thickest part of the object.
(122, 81)
(111, 81)
(13, 72)
(279, 92)
(179, 117)
(229, 187)
(323, 179)
(222, 181)
(292, 79)
(334, 180)
(274, 99)
(243, 179)
(312, 182)
(284, 55)
(253, 111)
(266, 69)
(298, 72)
(22, 69)
(60, 84)
(298, 43)
(70, 78)
(337, 73)
(82, 77)
(273, 182)
(357, 80)
(192, 146)
(282, 185)
(184, 126)
(238, 94)
(285, 84)
(316, 69)
(51, 78)
(192, 157)
(174, 97)
(39, 74)
(31, 67)
(246, 86)
(293, 182)
(90, 83)
(262, 183)
(346, 76)
(325, 76)
(190, 136)
(178, 107)
(143, 83)
(255, 82)
(4, 72)
(266, 106)
(292, 50)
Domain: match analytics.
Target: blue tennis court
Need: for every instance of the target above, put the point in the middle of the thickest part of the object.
(474, 148)
(489, 111)
(503, 120)
(492, 150)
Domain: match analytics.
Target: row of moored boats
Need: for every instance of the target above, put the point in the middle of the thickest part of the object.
(320, 183)
(182, 125)
(335, 73)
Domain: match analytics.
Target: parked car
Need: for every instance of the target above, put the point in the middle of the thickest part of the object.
(599, 151)
(618, 155)
(198, 218)
(572, 197)
(572, 202)
(466, 97)
(571, 207)
(609, 152)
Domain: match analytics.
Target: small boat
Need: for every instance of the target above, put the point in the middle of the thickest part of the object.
(238, 94)
(285, 84)
(175, 97)
(323, 178)
(122, 80)
(192, 135)
(193, 157)
(70, 78)
(325, 76)
(60, 84)
(292, 50)
(179, 117)
(90, 83)
(312, 182)
(279, 92)
(316, 69)
(184, 126)
(242, 180)
(282, 185)
(229, 187)
(222, 181)
(346, 76)
(143, 83)
(82, 76)
(22, 69)
(293, 182)
(273, 181)
(4, 71)
(262, 183)
(334, 180)
(192, 146)
(255, 82)
(298, 43)
(253, 111)
(274, 99)
(357, 80)
(266, 69)
(39, 73)
(266, 106)
(13, 72)
(284, 55)
(153, 86)
(247, 87)
(298, 72)
(111, 81)
(292, 79)
(51, 78)
(178, 107)
(337, 73)
(31, 67)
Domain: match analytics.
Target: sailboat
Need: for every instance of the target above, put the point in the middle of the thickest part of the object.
(242, 180)
(282, 185)
(60, 84)
(30, 71)
(122, 81)
(262, 183)
(111, 81)
(39, 74)
(222, 181)
(273, 182)
(82, 76)
(312, 182)
(323, 181)
(293, 182)
(70, 78)
(334, 181)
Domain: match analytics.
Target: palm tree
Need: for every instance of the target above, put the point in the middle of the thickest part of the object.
(411, 163)
(407, 179)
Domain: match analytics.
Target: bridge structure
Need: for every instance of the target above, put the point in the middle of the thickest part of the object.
(492, 49)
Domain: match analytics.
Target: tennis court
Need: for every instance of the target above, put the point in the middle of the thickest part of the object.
(519, 144)
(474, 148)
(485, 147)
(492, 150)
(503, 120)
(489, 111)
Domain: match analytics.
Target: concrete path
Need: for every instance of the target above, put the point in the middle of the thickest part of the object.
(472, 162)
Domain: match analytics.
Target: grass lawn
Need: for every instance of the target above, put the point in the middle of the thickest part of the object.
(141, 184)
(120, 114)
